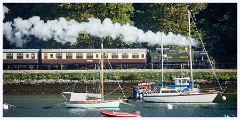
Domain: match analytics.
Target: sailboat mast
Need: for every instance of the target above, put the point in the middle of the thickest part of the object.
(190, 45)
(102, 82)
(162, 57)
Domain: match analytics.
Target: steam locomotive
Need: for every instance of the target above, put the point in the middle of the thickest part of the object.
(59, 59)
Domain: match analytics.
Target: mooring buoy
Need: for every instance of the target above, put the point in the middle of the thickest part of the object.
(169, 106)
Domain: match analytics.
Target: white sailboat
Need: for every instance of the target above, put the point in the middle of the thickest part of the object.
(90, 100)
(183, 91)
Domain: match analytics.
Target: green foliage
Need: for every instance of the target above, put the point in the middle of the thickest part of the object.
(118, 12)
(165, 16)
(125, 76)
(219, 25)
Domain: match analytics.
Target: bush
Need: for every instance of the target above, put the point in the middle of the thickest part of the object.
(125, 76)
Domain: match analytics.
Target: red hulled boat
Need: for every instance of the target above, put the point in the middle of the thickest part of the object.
(119, 114)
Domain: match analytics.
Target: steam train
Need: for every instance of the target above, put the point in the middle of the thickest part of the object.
(60, 59)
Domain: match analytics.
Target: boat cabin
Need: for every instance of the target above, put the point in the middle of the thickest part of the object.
(181, 84)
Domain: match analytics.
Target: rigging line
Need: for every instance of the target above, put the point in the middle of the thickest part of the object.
(119, 86)
(74, 86)
(111, 92)
(212, 68)
(64, 97)
(121, 90)
(69, 87)
(110, 64)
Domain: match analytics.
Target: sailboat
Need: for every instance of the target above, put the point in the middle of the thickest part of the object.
(183, 91)
(90, 100)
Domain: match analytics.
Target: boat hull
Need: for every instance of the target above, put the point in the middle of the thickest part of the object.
(118, 114)
(179, 98)
(99, 104)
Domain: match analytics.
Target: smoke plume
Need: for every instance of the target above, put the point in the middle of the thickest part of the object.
(5, 10)
(61, 30)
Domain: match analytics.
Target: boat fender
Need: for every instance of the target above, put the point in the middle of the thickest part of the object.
(224, 98)
(5, 106)
(137, 112)
(141, 95)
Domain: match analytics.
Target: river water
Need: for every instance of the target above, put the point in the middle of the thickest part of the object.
(52, 105)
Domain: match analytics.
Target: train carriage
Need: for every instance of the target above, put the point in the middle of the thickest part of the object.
(20, 58)
(90, 58)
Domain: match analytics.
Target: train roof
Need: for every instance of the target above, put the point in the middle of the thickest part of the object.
(75, 50)
(20, 50)
(94, 50)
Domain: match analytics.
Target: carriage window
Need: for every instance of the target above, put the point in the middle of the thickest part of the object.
(114, 55)
(19, 55)
(69, 56)
(59, 55)
(96, 55)
(9, 55)
(45, 56)
(79, 55)
(51, 55)
(142, 55)
(33, 55)
(27, 55)
(105, 55)
(89, 55)
(135, 55)
(124, 55)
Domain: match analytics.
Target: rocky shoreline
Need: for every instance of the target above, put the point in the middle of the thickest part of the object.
(41, 86)
(59, 87)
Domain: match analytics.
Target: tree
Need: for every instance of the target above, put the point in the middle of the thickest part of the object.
(219, 25)
(166, 17)
(117, 12)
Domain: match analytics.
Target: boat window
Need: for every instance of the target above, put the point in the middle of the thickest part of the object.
(173, 91)
(179, 82)
(183, 81)
(166, 91)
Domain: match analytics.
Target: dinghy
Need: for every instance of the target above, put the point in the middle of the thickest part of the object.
(119, 114)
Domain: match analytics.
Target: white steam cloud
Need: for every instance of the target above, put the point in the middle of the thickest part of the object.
(64, 31)
(5, 10)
